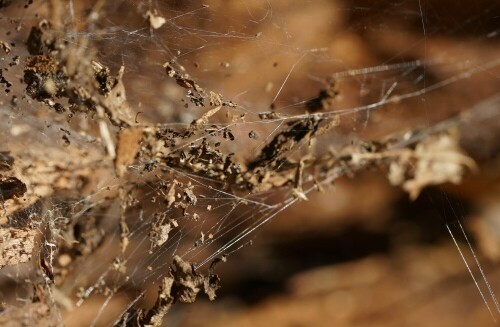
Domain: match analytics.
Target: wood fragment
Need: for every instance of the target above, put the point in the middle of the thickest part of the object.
(204, 118)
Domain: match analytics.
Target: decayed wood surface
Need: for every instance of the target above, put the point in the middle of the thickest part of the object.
(16, 245)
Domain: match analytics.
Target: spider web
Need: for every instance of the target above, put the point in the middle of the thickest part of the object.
(345, 67)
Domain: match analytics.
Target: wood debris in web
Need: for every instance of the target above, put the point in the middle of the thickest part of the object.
(275, 165)
(115, 101)
(190, 197)
(203, 120)
(187, 283)
(298, 192)
(325, 99)
(53, 75)
(269, 115)
(5, 47)
(182, 284)
(435, 160)
(160, 229)
(216, 99)
(170, 196)
(155, 20)
(275, 152)
(5, 82)
(195, 93)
